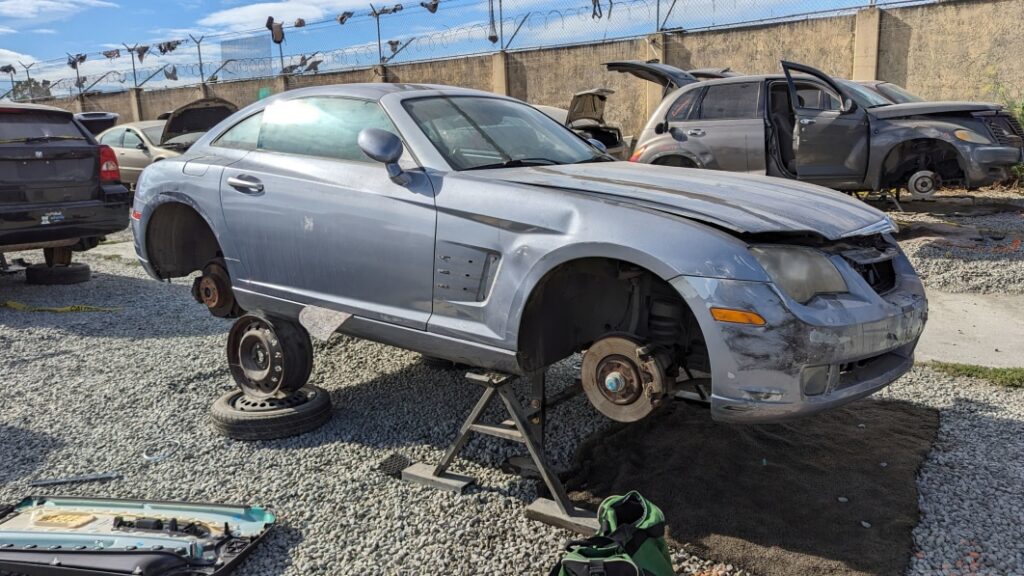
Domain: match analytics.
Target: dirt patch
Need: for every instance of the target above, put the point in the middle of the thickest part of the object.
(767, 497)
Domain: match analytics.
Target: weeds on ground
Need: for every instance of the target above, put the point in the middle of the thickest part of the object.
(1009, 377)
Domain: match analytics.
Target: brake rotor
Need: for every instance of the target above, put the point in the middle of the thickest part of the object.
(620, 380)
(213, 289)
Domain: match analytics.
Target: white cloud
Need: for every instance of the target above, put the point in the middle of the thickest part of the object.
(48, 9)
(255, 15)
(12, 57)
(6, 30)
(44, 31)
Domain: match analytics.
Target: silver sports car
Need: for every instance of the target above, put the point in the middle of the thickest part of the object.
(472, 227)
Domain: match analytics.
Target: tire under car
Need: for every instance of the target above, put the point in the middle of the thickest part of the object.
(43, 275)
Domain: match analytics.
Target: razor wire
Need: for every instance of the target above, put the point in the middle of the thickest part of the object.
(413, 33)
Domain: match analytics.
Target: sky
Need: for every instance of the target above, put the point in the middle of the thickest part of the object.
(43, 30)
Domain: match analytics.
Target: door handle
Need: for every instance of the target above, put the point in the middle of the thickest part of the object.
(247, 185)
(695, 132)
(806, 121)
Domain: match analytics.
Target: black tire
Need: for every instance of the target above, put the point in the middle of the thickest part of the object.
(43, 275)
(228, 420)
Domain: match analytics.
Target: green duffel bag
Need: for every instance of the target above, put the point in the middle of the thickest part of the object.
(630, 542)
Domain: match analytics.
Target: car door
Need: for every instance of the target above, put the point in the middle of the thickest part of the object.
(132, 156)
(829, 143)
(725, 128)
(317, 222)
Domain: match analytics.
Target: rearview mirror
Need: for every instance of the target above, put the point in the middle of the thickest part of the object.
(847, 105)
(385, 147)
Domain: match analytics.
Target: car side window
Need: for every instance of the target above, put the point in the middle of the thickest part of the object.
(680, 109)
(131, 139)
(242, 136)
(321, 126)
(814, 97)
(113, 138)
(731, 101)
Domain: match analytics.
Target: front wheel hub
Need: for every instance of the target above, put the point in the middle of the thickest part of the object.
(620, 380)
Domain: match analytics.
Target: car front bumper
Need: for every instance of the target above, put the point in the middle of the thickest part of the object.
(806, 358)
(992, 164)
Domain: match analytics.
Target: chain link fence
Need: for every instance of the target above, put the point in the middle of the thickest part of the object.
(399, 33)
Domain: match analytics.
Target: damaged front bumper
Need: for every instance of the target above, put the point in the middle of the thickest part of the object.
(57, 536)
(806, 358)
(991, 164)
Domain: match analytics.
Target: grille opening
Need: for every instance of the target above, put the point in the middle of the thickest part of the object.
(1006, 130)
(881, 276)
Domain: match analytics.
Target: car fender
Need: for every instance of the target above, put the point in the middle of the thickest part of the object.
(886, 135)
(721, 256)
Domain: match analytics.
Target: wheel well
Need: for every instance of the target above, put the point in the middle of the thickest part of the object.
(921, 154)
(178, 241)
(675, 160)
(582, 300)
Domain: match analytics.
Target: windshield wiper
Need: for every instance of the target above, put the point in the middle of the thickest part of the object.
(517, 163)
(33, 139)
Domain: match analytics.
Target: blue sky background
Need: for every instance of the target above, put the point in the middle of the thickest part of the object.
(42, 30)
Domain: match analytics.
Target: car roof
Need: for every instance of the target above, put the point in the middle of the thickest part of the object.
(27, 106)
(142, 125)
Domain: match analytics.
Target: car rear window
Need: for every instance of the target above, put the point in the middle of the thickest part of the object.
(730, 101)
(17, 126)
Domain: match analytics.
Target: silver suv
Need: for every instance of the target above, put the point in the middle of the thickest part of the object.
(472, 227)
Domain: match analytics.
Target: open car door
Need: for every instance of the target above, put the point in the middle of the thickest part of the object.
(830, 138)
(667, 76)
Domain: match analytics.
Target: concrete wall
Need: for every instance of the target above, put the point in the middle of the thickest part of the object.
(955, 49)
(551, 76)
(825, 43)
(971, 50)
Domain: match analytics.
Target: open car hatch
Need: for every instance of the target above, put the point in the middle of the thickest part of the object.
(64, 536)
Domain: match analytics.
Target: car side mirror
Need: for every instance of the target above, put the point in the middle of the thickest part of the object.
(661, 127)
(847, 106)
(384, 147)
(598, 144)
(142, 146)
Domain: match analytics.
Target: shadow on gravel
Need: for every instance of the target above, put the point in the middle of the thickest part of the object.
(273, 555)
(23, 451)
(766, 497)
(145, 308)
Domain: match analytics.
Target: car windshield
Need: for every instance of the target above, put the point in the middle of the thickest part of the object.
(476, 133)
(897, 93)
(863, 95)
(153, 134)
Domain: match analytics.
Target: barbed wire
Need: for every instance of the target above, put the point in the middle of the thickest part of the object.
(518, 25)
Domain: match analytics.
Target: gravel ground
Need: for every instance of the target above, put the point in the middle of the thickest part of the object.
(956, 251)
(87, 392)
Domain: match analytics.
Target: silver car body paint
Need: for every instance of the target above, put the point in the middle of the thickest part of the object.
(445, 264)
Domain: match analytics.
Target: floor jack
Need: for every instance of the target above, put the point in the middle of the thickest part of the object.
(525, 426)
(15, 266)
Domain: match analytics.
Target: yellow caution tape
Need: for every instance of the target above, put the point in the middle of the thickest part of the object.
(22, 307)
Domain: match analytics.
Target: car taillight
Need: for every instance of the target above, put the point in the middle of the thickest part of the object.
(637, 154)
(109, 170)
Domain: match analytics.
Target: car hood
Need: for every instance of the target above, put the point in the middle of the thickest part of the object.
(736, 202)
(920, 108)
(196, 117)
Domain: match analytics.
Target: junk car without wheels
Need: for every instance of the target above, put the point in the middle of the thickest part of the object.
(494, 236)
(805, 125)
(59, 190)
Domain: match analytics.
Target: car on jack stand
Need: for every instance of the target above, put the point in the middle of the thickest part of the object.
(469, 226)
(805, 125)
(60, 190)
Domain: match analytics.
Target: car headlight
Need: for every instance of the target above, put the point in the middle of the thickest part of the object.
(971, 136)
(800, 272)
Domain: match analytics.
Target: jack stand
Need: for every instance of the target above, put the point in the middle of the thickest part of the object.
(17, 265)
(524, 426)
